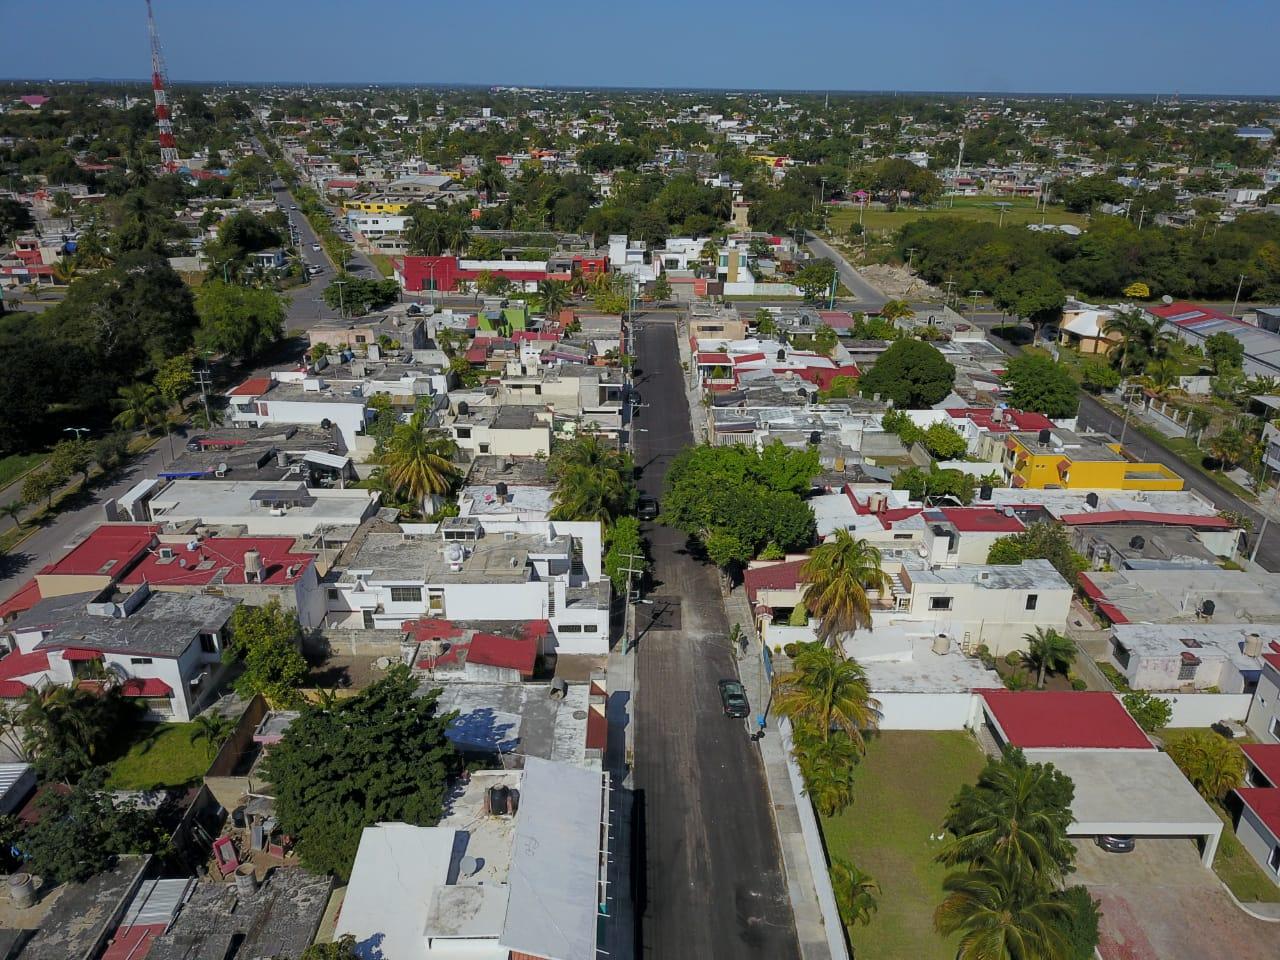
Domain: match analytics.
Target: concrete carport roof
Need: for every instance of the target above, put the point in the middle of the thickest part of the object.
(1138, 793)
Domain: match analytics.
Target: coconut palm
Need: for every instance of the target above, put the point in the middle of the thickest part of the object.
(578, 282)
(855, 892)
(896, 310)
(140, 407)
(997, 920)
(1048, 651)
(13, 510)
(554, 294)
(1163, 373)
(827, 766)
(827, 691)
(838, 575)
(56, 721)
(213, 729)
(1213, 764)
(1015, 820)
(419, 461)
(593, 481)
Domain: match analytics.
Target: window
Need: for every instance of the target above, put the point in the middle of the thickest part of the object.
(903, 536)
(139, 661)
(368, 620)
(939, 603)
(1120, 653)
(1273, 861)
(590, 628)
(208, 643)
(1187, 669)
(1275, 727)
(569, 628)
(1032, 599)
(464, 433)
(406, 594)
(360, 338)
(484, 448)
(333, 593)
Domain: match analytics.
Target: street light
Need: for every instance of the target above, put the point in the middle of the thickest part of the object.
(76, 430)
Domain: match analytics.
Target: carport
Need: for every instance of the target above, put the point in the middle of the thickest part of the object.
(1135, 793)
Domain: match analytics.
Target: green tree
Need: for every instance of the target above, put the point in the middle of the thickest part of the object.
(72, 456)
(661, 291)
(41, 485)
(13, 510)
(827, 766)
(111, 451)
(380, 756)
(944, 442)
(1034, 294)
(1151, 713)
(855, 892)
(996, 920)
(766, 326)
(14, 219)
(419, 460)
(837, 576)
(1224, 350)
(895, 310)
(212, 729)
(825, 692)
(1042, 540)
(1229, 446)
(1096, 376)
(825, 340)
(554, 294)
(626, 549)
(241, 322)
(911, 373)
(265, 640)
(1048, 651)
(593, 481)
(1213, 764)
(933, 484)
(141, 407)
(344, 948)
(815, 279)
(175, 378)
(1037, 383)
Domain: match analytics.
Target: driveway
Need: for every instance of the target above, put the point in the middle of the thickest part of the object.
(1161, 903)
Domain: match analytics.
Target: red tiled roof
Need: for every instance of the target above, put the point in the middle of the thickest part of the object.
(12, 689)
(80, 655)
(1266, 757)
(26, 598)
(253, 387)
(108, 551)
(775, 576)
(221, 557)
(477, 354)
(17, 665)
(982, 520)
(1094, 593)
(1064, 719)
(1143, 516)
(495, 651)
(145, 687)
(1265, 802)
(748, 358)
(133, 942)
(430, 629)
(1013, 419)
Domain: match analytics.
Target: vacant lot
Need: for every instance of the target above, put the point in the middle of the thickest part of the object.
(904, 787)
(149, 756)
(1020, 212)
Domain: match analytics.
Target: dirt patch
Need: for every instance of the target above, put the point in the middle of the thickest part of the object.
(898, 283)
(344, 671)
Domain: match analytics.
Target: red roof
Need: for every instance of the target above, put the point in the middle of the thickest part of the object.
(133, 942)
(982, 520)
(718, 358)
(1266, 757)
(1181, 313)
(1013, 419)
(823, 376)
(80, 655)
(220, 558)
(775, 576)
(495, 651)
(1094, 593)
(1143, 516)
(1265, 802)
(26, 598)
(12, 689)
(108, 551)
(1273, 659)
(1081, 720)
(748, 358)
(253, 387)
(430, 629)
(146, 687)
(17, 665)
(478, 354)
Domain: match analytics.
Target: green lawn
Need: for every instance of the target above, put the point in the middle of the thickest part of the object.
(903, 789)
(966, 208)
(151, 755)
(16, 464)
(383, 263)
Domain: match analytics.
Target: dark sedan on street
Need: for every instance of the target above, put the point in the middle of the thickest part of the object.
(734, 699)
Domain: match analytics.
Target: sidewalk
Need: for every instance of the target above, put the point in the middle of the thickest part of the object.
(619, 938)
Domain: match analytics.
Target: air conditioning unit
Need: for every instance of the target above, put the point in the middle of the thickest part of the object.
(165, 553)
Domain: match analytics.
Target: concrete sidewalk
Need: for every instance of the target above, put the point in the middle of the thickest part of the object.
(619, 939)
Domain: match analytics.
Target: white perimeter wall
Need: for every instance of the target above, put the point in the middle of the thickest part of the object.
(926, 711)
(1202, 709)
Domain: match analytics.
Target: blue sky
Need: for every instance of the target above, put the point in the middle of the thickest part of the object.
(1186, 46)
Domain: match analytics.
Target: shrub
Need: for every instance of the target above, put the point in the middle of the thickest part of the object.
(1077, 683)
(1013, 659)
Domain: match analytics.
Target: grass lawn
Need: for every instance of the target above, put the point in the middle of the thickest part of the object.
(1022, 211)
(151, 755)
(16, 464)
(383, 263)
(1232, 862)
(903, 789)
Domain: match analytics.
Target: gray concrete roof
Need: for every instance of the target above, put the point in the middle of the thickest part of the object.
(517, 718)
(80, 920)
(1168, 596)
(1027, 575)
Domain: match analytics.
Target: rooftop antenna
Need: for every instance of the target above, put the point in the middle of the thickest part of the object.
(160, 87)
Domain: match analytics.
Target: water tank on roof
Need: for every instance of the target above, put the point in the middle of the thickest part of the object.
(282, 458)
(252, 566)
(984, 492)
(782, 354)
(941, 643)
(497, 797)
(1207, 608)
(463, 408)
(501, 490)
(1045, 436)
(1092, 500)
(1137, 543)
(815, 437)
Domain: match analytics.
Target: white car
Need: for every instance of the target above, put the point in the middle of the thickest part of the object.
(316, 247)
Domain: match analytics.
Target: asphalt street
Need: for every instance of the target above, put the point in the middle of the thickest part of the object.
(710, 882)
(868, 297)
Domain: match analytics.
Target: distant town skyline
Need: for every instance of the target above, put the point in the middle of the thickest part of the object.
(1088, 47)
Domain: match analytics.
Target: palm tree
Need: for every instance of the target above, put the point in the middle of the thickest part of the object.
(140, 407)
(827, 691)
(55, 722)
(13, 510)
(1048, 651)
(1012, 821)
(578, 282)
(1163, 373)
(827, 766)
(555, 294)
(1213, 764)
(1229, 445)
(998, 921)
(766, 326)
(593, 481)
(896, 310)
(855, 892)
(419, 461)
(1130, 326)
(213, 729)
(838, 574)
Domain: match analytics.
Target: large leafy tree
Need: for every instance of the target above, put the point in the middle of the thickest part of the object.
(419, 460)
(838, 575)
(266, 640)
(343, 765)
(1042, 540)
(826, 692)
(1040, 384)
(238, 321)
(66, 728)
(1035, 294)
(911, 373)
(1048, 651)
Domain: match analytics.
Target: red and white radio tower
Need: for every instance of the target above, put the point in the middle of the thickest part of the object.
(160, 86)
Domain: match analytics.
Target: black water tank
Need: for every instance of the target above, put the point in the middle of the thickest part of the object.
(501, 490)
(984, 492)
(463, 408)
(782, 354)
(1092, 500)
(1137, 543)
(498, 800)
(815, 437)
(1207, 608)
(1045, 435)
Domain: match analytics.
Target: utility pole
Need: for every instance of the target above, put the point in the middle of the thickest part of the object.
(948, 283)
(629, 617)
(205, 381)
(342, 309)
(975, 294)
(1239, 287)
(911, 253)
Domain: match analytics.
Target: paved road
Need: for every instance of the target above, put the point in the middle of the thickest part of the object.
(711, 881)
(868, 296)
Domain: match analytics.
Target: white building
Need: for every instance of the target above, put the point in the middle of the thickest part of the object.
(262, 508)
(1192, 656)
(310, 400)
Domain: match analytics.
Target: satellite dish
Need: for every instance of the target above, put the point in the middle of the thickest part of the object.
(467, 866)
(1166, 299)
(454, 553)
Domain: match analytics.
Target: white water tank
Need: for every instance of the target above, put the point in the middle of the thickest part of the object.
(252, 566)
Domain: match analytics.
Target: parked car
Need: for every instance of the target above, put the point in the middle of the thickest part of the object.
(316, 247)
(733, 698)
(648, 508)
(193, 444)
(293, 206)
(1115, 844)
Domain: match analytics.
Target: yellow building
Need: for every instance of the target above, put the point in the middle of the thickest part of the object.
(1063, 459)
(376, 205)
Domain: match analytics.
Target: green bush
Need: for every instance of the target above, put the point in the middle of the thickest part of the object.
(1115, 676)
(1078, 683)
(1013, 659)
